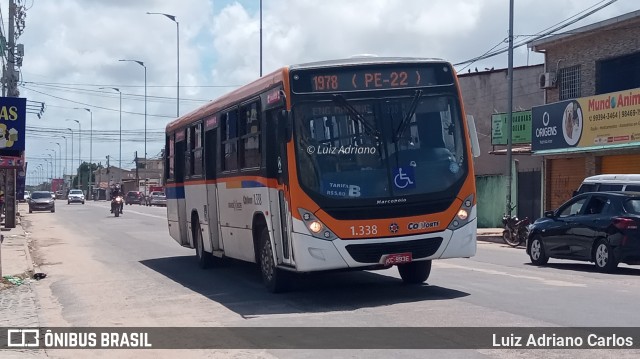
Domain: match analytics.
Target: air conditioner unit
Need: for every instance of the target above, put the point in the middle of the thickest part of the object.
(547, 80)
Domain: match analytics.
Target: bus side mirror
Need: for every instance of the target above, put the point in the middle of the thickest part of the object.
(473, 134)
(284, 126)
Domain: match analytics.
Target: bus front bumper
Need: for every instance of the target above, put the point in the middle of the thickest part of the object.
(313, 254)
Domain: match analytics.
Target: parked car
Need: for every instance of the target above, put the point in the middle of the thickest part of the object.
(156, 199)
(134, 197)
(612, 182)
(75, 195)
(27, 196)
(600, 227)
(53, 195)
(41, 201)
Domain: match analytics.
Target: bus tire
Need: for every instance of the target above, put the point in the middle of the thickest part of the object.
(276, 280)
(205, 259)
(415, 272)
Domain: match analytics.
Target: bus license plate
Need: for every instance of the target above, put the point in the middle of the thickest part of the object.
(397, 258)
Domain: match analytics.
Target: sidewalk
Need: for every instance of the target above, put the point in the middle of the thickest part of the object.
(17, 301)
(490, 235)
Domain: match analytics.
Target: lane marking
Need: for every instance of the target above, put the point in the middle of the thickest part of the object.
(128, 211)
(558, 283)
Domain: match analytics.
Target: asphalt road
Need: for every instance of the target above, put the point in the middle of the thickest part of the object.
(128, 271)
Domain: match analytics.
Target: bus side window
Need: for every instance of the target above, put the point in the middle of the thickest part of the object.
(250, 153)
(170, 157)
(230, 141)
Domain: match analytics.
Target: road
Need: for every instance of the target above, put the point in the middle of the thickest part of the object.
(127, 271)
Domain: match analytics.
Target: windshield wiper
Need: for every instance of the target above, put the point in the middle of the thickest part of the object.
(339, 99)
(407, 118)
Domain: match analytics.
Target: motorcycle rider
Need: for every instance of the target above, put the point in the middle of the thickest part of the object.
(115, 192)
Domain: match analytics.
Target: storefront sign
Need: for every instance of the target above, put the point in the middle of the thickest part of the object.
(13, 112)
(520, 129)
(601, 120)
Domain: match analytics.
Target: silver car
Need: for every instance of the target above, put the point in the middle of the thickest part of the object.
(157, 199)
(75, 195)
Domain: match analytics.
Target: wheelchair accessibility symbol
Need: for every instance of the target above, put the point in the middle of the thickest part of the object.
(403, 177)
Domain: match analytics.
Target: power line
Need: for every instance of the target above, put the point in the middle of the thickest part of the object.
(542, 34)
(123, 86)
(110, 94)
(92, 106)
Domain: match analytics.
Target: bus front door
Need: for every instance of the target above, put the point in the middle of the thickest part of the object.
(281, 223)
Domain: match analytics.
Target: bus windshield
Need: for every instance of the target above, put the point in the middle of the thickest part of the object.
(380, 148)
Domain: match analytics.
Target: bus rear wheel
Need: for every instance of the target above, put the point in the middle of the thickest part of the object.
(276, 280)
(415, 272)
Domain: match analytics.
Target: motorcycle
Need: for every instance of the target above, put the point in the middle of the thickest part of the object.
(515, 230)
(116, 206)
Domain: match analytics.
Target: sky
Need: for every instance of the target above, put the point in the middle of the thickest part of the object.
(72, 48)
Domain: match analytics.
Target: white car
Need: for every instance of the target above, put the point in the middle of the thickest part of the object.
(75, 195)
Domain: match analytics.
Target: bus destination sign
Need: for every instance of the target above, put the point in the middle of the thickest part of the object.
(371, 78)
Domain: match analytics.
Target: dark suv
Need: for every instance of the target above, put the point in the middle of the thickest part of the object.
(134, 197)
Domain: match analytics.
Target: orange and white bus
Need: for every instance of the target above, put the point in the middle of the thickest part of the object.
(362, 163)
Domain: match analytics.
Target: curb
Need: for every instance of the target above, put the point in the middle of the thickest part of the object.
(490, 238)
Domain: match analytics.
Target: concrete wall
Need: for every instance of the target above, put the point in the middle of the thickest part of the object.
(484, 94)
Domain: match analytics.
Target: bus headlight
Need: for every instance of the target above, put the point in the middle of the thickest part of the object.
(315, 227)
(462, 217)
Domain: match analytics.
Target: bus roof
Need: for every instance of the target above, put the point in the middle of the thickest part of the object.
(280, 75)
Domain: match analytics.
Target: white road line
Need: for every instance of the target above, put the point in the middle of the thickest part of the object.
(559, 283)
(129, 211)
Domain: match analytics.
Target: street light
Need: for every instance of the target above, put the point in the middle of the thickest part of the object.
(66, 156)
(79, 148)
(59, 156)
(120, 93)
(145, 103)
(89, 192)
(173, 18)
(55, 160)
(71, 167)
(260, 38)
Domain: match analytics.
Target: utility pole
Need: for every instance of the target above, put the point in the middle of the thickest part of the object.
(12, 91)
(137, 177)
(108, 171)
(510, 110)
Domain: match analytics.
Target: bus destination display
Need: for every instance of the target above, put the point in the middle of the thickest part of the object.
(345, 80)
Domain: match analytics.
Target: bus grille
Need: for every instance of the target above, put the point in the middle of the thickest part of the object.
(371, 253)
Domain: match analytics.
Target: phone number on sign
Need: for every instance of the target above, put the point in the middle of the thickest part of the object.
(629, 113)
(603, 116)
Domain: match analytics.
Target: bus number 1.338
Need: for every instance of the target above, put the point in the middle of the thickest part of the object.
(364, 230)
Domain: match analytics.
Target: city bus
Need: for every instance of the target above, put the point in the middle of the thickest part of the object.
(360, 163)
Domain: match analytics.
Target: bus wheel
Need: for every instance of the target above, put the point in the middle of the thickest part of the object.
(415, 272)
(274, 279)
(205, 259)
